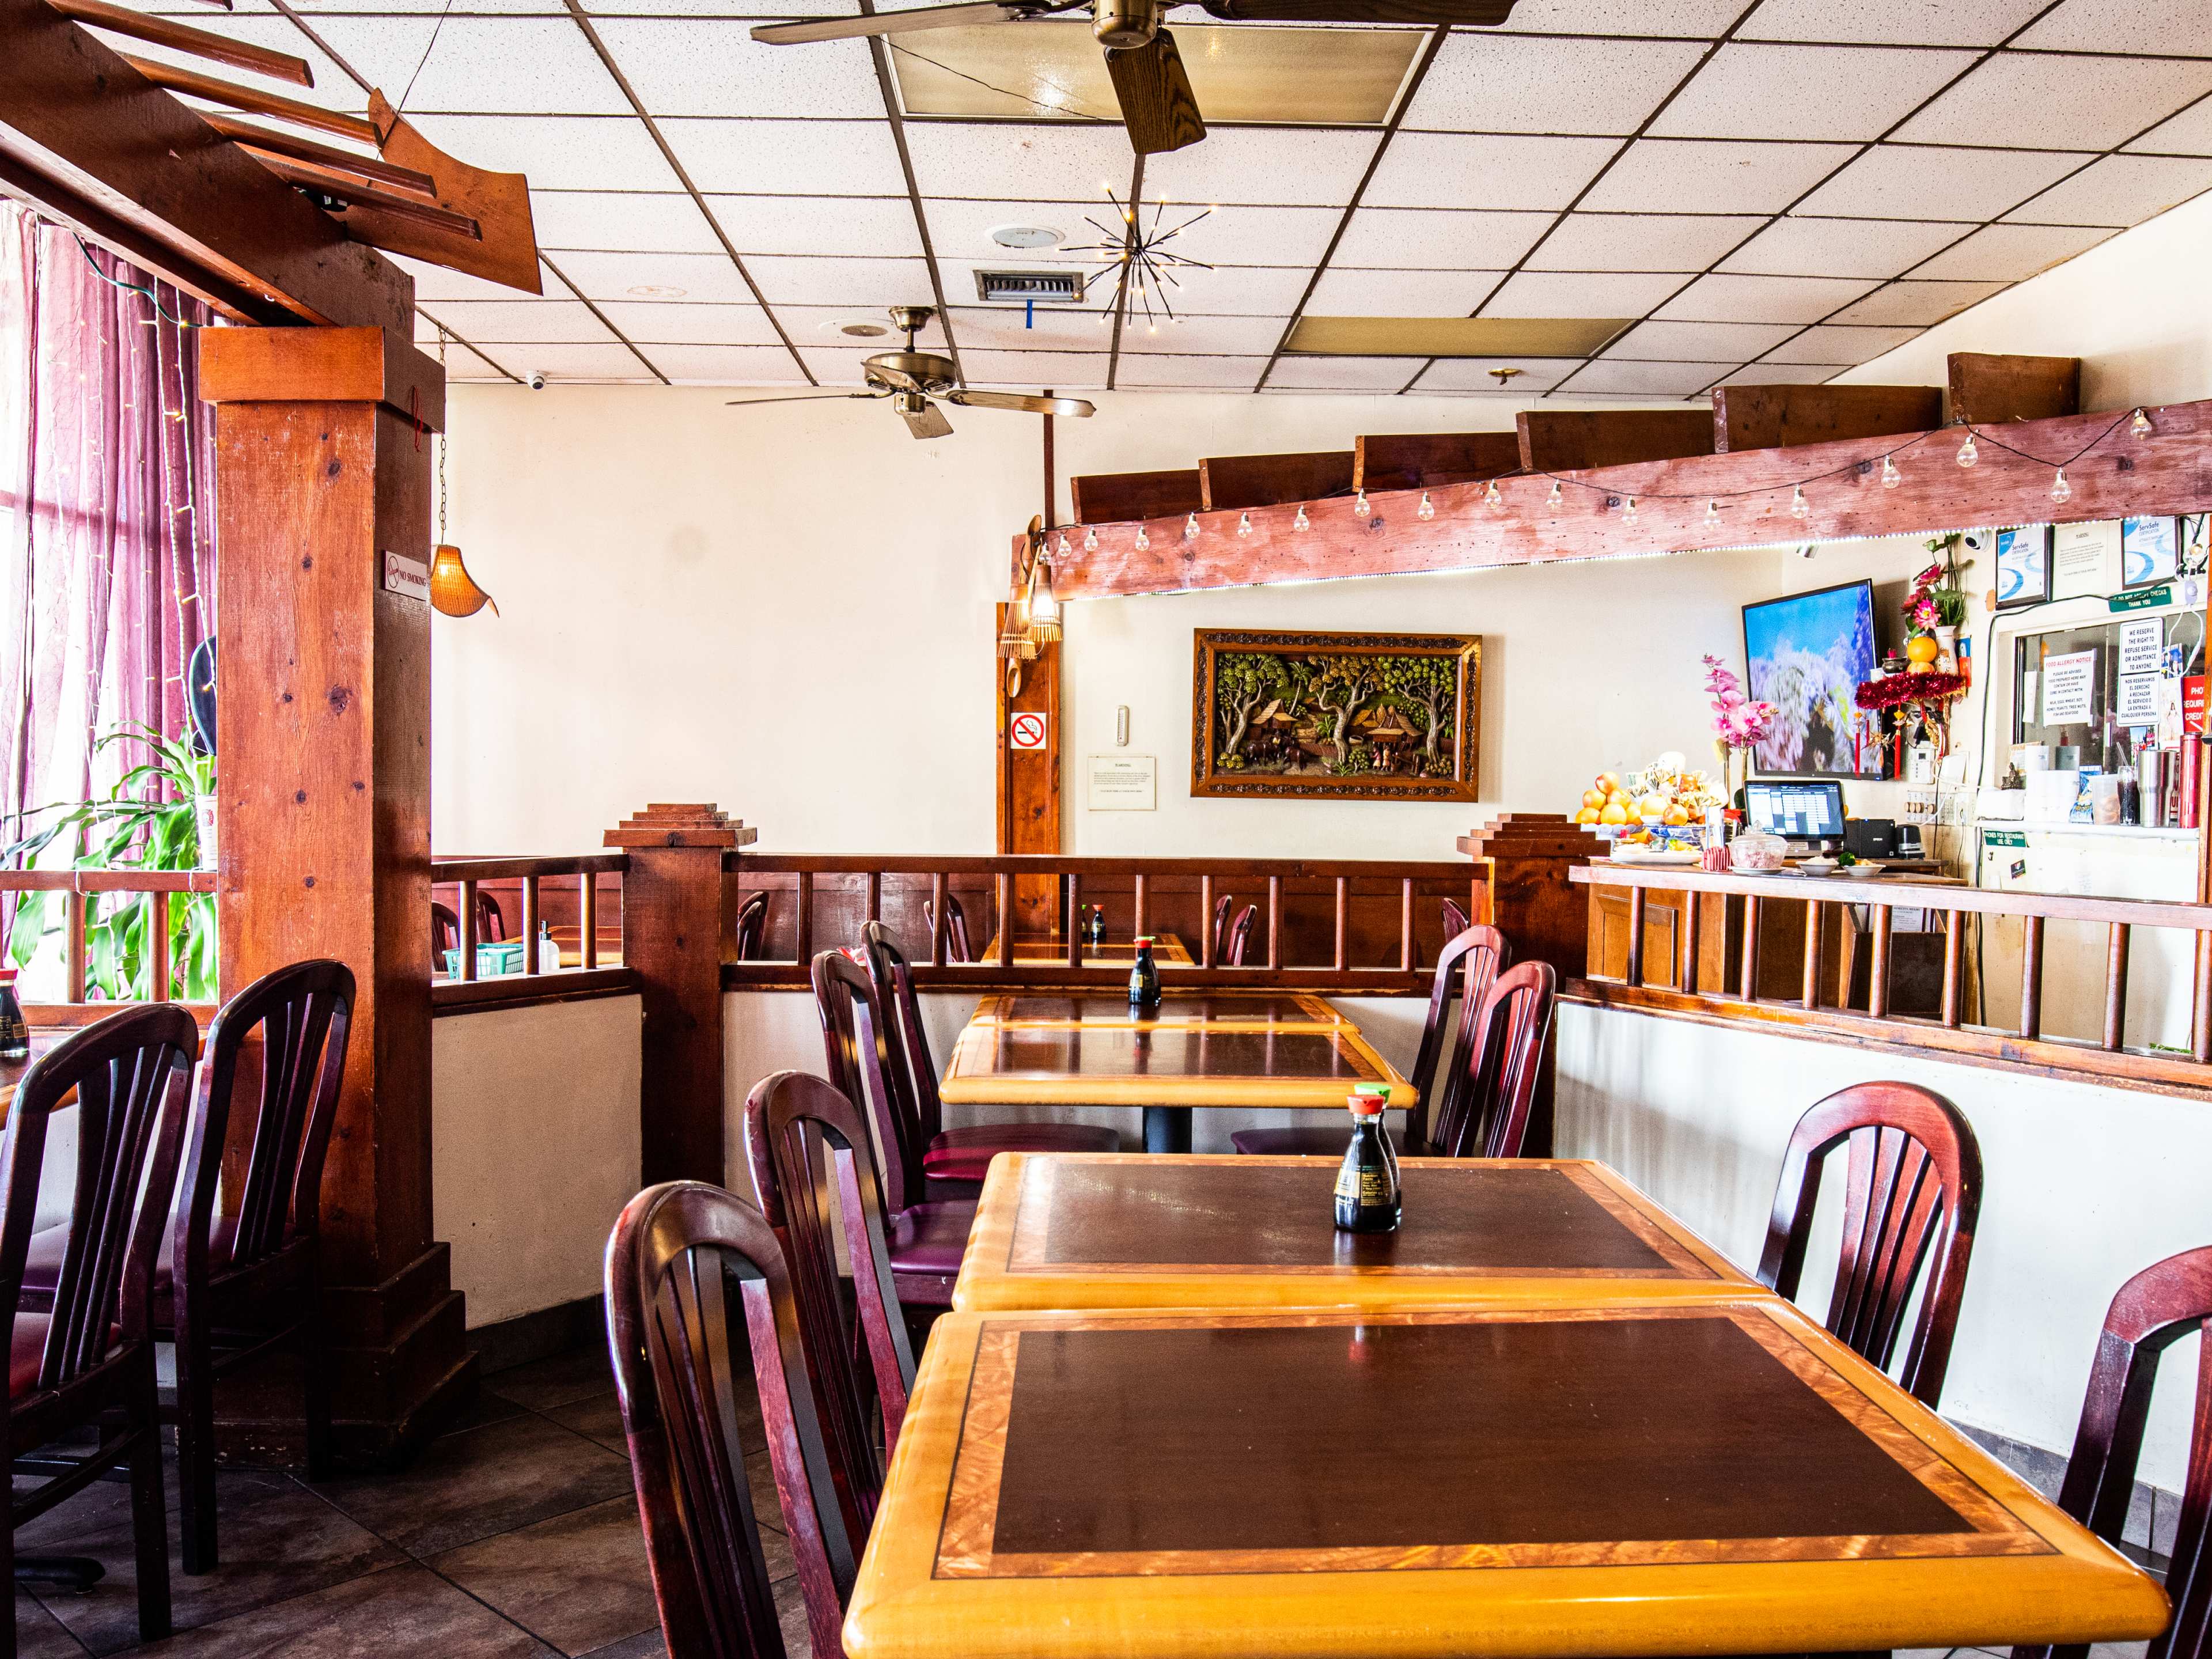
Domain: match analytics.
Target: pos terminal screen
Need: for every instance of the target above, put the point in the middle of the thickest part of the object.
(1798, 811)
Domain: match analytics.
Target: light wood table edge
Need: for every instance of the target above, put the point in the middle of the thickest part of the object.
(1318, 1014)
(1554, 1613)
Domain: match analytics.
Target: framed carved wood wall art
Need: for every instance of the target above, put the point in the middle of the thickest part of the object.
(1335, 716)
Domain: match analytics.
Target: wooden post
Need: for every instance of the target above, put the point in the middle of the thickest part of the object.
(672, 937)
(1029, 783)
(323, 815)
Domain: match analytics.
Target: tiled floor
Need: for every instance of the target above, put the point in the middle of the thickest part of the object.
(512, 1536)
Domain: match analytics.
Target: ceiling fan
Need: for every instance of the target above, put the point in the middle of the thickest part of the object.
(910, 379)
(1156, 104)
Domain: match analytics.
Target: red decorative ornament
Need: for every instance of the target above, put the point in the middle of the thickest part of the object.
(1894, 691)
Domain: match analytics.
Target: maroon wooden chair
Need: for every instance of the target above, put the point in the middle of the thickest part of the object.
(926, 1238)
(953, 1161)
(1470, 960)
(695, 1279)
(1456, 919)
(445, 932)
(752, 927)
(955, 928)
(1914, 1195)
(2154, 1310)
(1240, 937)
(802, 1138)
(1221, 926)
(85, 1359)
(1488, 1116)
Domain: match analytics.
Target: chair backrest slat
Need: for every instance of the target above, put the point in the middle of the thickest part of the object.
(752, 927)
(1470, 960)
(1456, 919)
(913, 1072)
(1220, 927)
(1913, 1196)
(955, 928)
(676, 1253)
(1240, 936)
(1484, 1109)
(856, 1043)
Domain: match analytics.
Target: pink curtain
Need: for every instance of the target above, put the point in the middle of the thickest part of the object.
(106, 513)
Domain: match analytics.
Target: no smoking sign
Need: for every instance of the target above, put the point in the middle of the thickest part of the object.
(1026, 731)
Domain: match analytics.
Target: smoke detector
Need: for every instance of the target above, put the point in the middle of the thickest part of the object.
(857, 328)
(1026, 236)
(657, 291)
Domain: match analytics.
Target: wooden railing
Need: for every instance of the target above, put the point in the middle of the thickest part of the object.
(156, 886)
(459, 883)
(1355, 927)
(1734, 984)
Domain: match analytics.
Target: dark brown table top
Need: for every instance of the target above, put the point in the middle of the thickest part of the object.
(12, 1070)
(1121, 1065)
(1269, 1008)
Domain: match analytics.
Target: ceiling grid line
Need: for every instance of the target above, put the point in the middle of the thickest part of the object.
(1131, 236)
(605, 321)
(475, 350)
(892, 114)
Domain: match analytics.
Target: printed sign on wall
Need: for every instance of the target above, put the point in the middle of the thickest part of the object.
(1025, 730)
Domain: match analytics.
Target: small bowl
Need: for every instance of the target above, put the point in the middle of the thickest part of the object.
(1818, 866)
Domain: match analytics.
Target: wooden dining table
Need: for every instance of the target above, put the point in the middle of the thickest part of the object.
(1167, 948)
(1102, 1230)
(12, 1070)
(1222, 1049)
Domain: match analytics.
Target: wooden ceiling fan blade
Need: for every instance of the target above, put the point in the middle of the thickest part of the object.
(1464, 14)
(893, 22)
(1023, 402)
(926, 422)
(1157, 106)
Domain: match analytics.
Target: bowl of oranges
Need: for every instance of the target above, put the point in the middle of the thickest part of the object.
(1657, 813)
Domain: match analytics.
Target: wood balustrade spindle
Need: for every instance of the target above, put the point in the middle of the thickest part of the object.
(1750, 965)
(1005, 886)
(1142, 904)
(1338, 948)
(1206, 921)
(1633, 971)
(2030, 977)
(1071, 885)
(2117, 945)
(1878, 967)
(1275, 921)
(468, 932)
(530, 924)
(939, 886)
(1954, 966)
(157, 947)
(1406, 926)
(803, 902)
(587, 917)
(1692, 923)
(1810, 993)
(73, 919)
(875, 895)
(2200, 1002)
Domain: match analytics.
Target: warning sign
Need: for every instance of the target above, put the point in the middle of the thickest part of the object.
(1026, 731)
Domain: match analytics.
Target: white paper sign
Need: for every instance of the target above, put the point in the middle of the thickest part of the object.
(407, 578)
(2139, 698)
(2143, 647)
(1123, 783)
(2066, 686)
(2081, 554)
(1026, 730)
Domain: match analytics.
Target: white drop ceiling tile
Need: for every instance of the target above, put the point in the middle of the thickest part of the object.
(834, 366)
(1066, 161)
(1464, 170)
(1250, 235)
(664, 322)
(479, 65)
(1229, 336)
(436, 282)
(1231, 290)
(1733, 298)
(490, 321)
(1780, 374)
(1006, 329)
(866, 227)
(669, 276)
(1921, 181)
(1916, 304)
(1342, 374)
(1247, 164)
(1667, 175)
(2119, 190)
(1702, 20)
(1033, 371)
(2123, 25)
(866, 284)
(577, 362)
(826, 325)
(2009, 253)
(556, 152)
(1841, 247)
(625, 221)
(1641, 241)
(753, 12)
(961, 227)
(1890, 22)
(1646, 380)
(2068, 102)
(2188, 133)
(1839, 346)
(1342, 293)
(1157, 371)
(712, 66)
(1473, 373)
(788, 158)
(1806, 92)
(1414, 238)
(1483, 82)
(725, 365)
(1698, 342)
(1582, 293)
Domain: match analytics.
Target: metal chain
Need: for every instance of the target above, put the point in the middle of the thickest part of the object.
(441, 447)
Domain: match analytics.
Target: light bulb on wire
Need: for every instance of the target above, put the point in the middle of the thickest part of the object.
(1712, 513)
(1359, 505)
(1490, 496)
(1427, 509)
(2060, 490)
(1967, 453)
(1628, 511)
(1301, 522)
(1891, 477)
(1061, 550)
(1243, 524)
(1190, 528)
(1143, 540)
(1551, 501)
(2139, 424)
(1089, 540)
(1799, 507)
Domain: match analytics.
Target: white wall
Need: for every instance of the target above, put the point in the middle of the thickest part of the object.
(534, 1148)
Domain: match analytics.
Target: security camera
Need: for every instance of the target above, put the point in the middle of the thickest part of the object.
(538, 379)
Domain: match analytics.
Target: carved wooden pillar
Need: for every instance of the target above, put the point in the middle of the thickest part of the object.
(323, 813)
(1029, 783)
(675, 932)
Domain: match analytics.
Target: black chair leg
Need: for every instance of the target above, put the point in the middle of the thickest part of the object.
(194, 1442)
(149, 1526)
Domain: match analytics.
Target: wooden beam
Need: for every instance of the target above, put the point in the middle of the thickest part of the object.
(271, 142)
(182, 37)
(175, 77)
(1425, 460)
(1029, 798)
(1988, 389)
(1568, 441)
(1232, 483)
(2167, 472)
(1772, 416)
(1118, 497)
(97, 146)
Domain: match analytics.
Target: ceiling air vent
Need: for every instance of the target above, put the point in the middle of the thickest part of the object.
(1043, 288)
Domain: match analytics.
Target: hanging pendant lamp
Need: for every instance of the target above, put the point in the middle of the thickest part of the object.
(453, 592)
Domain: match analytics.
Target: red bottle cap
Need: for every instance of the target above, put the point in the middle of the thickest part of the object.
(1366, 1105)
(1144, 939)
(6, 975)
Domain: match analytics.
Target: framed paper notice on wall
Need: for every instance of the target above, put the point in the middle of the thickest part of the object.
(2150, 551)
(2083, 559)
(2023, 566)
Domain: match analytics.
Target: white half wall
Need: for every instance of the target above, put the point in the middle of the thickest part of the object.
(534, 1148)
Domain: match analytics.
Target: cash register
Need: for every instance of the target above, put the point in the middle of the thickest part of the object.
(1803, 813)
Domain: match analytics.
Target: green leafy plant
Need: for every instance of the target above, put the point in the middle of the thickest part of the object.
(149, 821)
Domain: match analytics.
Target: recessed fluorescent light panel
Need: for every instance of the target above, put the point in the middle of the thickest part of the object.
(1292, 77)
(1454, 336)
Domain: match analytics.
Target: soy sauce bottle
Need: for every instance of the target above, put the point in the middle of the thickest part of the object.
(1094, 928)
(1145, 978)
(14, 1034)
(1368, 1197)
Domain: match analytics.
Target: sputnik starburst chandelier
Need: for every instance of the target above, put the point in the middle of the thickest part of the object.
(1143, 264)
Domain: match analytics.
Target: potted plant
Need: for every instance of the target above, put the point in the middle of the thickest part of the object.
(1935, 609)
(1738, 722)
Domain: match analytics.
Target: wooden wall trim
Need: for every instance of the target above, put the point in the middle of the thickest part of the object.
(449, 998)
(2114, 473)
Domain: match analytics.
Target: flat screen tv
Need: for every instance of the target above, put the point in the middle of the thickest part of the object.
(1806, 655)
